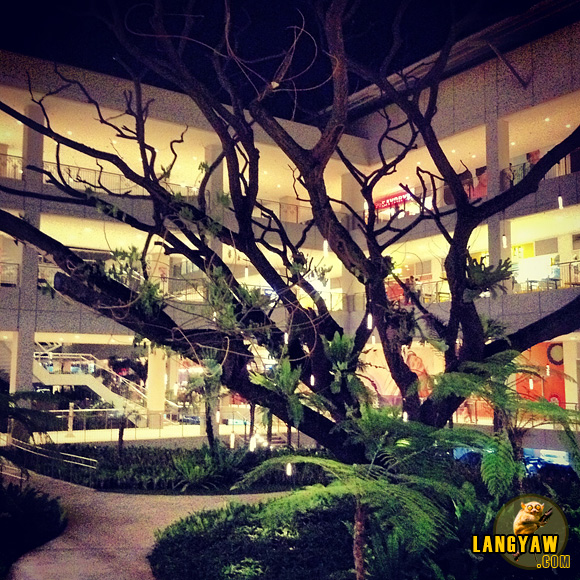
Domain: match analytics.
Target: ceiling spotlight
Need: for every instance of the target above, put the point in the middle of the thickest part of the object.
(547, 119)
(513, 143)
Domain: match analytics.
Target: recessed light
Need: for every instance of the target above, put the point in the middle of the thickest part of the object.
(195, 156)
(265, 173)
(5, 337)
(547, 119)
(568, 125)
(418, 163)
(69, 132)
(474, 156)
(452, 150)
(407, 177)
(19, 122)
(77, 335)
(278, 185)
(114, 141)
(513, 143)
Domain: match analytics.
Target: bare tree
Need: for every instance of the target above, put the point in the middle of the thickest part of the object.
(188, 228)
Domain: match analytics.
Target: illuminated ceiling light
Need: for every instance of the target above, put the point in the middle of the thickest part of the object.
(19, 122)
(195, 156)
(325, 248)
(407, 177)
(504, 241)
(5, 337)
(560, 202)
(547, 119)
(568, 125)
(452, 150)
(312, 380)
(547, 370)
(531, 384)
(77, 336)
(474, 156)
(114, 141)
(369, 321)
(265, 173)
(513, 143)
(418, 163)
(69, 132)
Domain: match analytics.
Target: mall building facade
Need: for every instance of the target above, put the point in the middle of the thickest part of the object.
(500, 108)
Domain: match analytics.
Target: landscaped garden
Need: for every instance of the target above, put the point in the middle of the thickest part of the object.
(410, 512)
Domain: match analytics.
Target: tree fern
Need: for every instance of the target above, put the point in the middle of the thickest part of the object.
(498, 467)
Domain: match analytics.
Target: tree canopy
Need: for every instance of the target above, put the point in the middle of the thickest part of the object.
(251, 80)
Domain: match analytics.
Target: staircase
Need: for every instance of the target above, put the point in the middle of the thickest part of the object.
(135, 410)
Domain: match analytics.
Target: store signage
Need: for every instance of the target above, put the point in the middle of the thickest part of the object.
(399, 198)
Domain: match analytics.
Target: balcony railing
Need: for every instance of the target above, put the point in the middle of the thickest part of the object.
(11, 166)
(188, 294)
(9, 274)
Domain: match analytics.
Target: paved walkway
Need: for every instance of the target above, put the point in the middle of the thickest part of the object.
(108, 535)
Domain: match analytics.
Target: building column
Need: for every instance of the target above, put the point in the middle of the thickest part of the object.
(350, 193)
(156, 379)
(571, 370)
(565, 248)
(23, 344)
(497, 156)
(216, 182)
(497, 144)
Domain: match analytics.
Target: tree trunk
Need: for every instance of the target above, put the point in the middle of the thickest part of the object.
(269, 422)
(358, 546)
(121, 442)
(209, 426)
(289, 434)
(252, 419)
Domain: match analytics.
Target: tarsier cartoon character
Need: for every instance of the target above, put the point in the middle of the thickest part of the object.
(529, 519)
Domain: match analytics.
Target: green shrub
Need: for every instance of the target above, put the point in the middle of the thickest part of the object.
(142, 468)
(307, 540)
(27, 520)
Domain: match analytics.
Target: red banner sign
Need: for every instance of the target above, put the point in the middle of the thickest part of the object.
(392, 200)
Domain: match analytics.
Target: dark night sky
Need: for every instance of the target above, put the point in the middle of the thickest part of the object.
(66, 31)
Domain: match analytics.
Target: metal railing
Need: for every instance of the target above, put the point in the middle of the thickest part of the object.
(79, 363)
(85, 179)
(9, 274)
(11, 166)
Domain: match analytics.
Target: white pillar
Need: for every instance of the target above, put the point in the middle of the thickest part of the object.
(216, 182)
(156, 378)
(23, 345)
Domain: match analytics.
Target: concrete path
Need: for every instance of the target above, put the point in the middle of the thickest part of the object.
(108, 535)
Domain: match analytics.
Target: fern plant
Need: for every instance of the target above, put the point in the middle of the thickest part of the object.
(403, 496)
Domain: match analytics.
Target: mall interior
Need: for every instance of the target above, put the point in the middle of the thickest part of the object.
(498, 113)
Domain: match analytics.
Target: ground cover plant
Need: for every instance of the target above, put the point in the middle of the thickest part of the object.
(409, 513)
(142, 468)
(27, 519)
